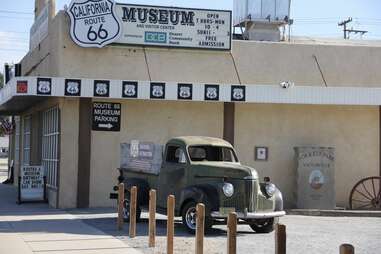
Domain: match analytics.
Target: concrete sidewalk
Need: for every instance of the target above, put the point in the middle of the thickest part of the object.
(36, 228)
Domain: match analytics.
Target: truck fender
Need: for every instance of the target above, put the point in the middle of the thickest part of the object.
(278, 200)
(143, 189)
(206, 194)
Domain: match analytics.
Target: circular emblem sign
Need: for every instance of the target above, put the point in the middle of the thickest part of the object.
(93, 22)
(316, 179)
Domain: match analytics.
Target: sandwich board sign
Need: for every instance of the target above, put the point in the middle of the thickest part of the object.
(93, 22)
(32, 184)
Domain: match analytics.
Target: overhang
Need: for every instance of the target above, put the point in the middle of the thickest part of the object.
(23, 92)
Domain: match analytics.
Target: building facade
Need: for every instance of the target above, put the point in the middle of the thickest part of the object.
(333, 101)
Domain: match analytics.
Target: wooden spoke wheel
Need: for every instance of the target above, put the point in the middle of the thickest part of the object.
(366, 194)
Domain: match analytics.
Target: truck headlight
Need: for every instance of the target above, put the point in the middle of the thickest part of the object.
(228, 189)
(270, 189)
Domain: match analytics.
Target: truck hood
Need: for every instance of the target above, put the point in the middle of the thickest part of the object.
(225, 169)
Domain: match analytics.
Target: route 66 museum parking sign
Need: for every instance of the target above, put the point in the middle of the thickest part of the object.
(93, 22)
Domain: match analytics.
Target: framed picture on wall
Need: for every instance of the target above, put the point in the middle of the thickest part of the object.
(261, 153)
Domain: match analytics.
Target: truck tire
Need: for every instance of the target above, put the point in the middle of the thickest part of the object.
(126, 211)
(188, 214)
(263, 225)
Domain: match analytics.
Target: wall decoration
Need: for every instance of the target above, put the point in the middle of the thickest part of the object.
(94, 23)
(157, 91)
(130, 89)
(101, 88)
(261, 153)
(238, 93)
(44, 86)
(22, 86)
(184, 91)
(72, 87)
(212, 92)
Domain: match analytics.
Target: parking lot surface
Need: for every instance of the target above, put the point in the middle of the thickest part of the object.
(305, 234)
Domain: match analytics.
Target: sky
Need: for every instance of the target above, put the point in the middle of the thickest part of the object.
(311, 19)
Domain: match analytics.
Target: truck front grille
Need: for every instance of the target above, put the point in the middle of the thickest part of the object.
(251, 194)
(236, 201)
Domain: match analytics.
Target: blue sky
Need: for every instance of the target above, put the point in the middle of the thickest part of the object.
(312, 18)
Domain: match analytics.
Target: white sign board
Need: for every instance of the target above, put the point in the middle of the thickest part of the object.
(39, 29)
(32, 183)
(97, 23)
(174, 27)
(93, 22)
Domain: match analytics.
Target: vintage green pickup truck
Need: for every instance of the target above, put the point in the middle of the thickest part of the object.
(206, 170)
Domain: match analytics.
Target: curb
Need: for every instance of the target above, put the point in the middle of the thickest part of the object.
(333, 213)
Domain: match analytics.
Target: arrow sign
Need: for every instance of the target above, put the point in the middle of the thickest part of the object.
(106, 116)
(108, 126)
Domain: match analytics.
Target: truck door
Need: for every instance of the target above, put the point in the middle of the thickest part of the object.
(173, 174)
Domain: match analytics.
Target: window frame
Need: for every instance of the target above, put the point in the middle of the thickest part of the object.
(177, 147)
(235, 157)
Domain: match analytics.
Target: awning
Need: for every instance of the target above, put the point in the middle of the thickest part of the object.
(23, 92)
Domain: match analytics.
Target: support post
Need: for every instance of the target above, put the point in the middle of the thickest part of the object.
(232, 233)
(170, 223)
(120, 206)
(200, 226)
(133, 200)
(152, 218)
(347, 249)
(280, 239)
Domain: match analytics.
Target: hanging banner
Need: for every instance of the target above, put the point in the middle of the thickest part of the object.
(31, 184)
(174, 27)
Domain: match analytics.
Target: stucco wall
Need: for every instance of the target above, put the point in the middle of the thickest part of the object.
(152, 121)
(352, 131)
(256, 62)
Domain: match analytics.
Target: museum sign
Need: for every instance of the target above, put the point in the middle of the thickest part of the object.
(97, 23)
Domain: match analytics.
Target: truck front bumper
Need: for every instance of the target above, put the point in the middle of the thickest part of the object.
(244, 216)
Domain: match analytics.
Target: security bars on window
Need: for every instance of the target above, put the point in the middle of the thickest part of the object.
(26, 140)
(50, 138)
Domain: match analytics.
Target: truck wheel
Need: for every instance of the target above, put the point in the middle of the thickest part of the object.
(126, 211)
(263, 226)
(189, 215)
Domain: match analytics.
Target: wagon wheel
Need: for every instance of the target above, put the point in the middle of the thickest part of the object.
(366, 194)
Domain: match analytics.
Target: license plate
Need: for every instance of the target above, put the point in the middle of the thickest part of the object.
(226, 210)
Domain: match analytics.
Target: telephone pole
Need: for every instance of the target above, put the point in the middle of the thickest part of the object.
(347, 32)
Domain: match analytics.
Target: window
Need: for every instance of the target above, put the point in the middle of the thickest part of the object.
(212, 153)
(26, 140)
(175, 155)
(17, 140)
(50, 139)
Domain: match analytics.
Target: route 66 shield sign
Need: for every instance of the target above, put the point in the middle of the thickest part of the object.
(93, 22)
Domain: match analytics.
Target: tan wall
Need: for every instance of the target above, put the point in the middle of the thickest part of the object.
(352, 131)
(256, 62)
(146, 121)
(68, 176)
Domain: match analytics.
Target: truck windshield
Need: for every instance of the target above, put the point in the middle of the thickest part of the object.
(212, 153)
